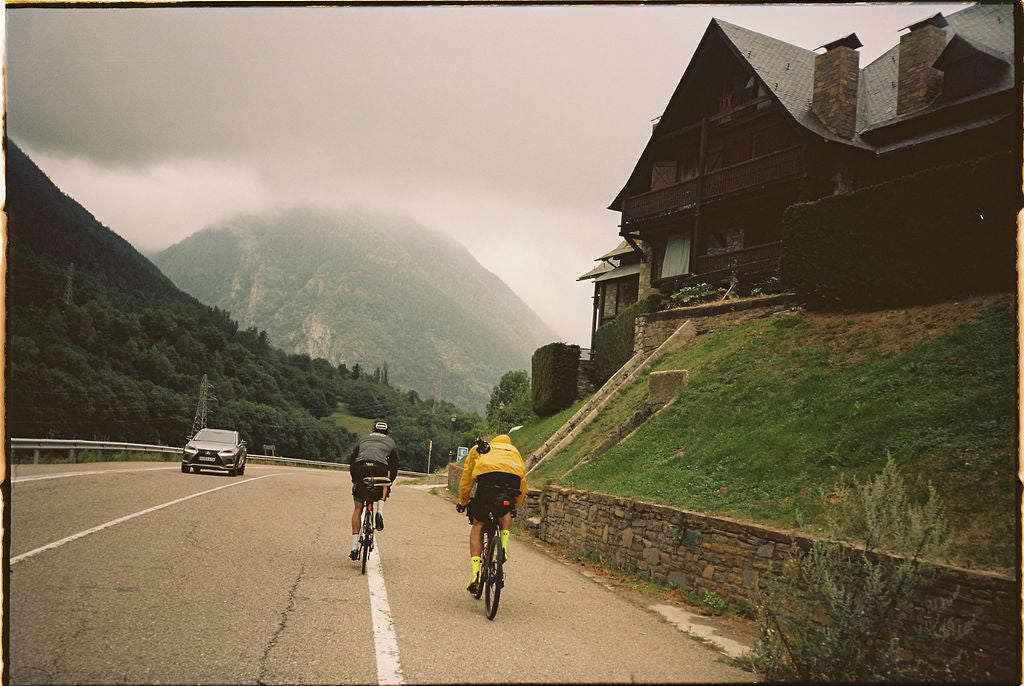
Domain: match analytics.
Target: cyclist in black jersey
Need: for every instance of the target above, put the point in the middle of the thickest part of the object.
(375, 454)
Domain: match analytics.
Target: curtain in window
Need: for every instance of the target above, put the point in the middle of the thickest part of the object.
(677, 256)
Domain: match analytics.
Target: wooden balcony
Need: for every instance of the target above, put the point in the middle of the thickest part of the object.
(715, 269)
(778, 166)
(746, 259)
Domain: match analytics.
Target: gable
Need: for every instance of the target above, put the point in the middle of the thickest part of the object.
(721, 75)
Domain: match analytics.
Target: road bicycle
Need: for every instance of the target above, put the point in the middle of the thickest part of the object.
(492, 562)
(374, 492)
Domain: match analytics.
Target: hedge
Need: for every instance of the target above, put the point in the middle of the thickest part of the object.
(936, 234)
(555, 377)
(613, 342)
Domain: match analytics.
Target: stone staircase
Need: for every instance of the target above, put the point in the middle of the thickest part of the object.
(604, 395)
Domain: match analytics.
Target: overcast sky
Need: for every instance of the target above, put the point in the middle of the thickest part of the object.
(510, 128)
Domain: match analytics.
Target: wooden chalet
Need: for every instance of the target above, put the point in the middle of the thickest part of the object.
(756, 124)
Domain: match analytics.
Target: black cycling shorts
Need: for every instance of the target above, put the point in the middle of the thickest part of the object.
(495, 492)
(363, 469)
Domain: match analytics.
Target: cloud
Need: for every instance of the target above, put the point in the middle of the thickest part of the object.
(509, 128)
(159, 205)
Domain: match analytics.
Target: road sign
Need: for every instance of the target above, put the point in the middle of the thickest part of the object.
(462, 452)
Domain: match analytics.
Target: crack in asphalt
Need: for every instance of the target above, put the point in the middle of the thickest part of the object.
(289, 607)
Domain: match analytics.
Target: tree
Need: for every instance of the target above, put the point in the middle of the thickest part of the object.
(510, 402)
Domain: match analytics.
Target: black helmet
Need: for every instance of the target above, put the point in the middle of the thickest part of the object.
(381, 428)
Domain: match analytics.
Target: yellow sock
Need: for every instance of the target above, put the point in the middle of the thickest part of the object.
(476, 567)
(504, 541)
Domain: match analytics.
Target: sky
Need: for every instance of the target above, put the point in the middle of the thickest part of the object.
(510, 129)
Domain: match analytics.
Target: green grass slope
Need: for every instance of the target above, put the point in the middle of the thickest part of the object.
(779, 409)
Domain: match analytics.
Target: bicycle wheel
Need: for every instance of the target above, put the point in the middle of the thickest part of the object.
(367, 541)
(495, 576)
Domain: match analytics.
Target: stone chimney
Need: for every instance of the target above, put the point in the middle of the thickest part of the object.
(918, 82)
(836, 72)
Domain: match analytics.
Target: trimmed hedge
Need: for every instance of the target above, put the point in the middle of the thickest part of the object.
(613, 342)
(936, 234)
(555, 377)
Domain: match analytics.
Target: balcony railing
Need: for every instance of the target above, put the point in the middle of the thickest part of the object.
(754, 258)
(675, 197)
(777, 166)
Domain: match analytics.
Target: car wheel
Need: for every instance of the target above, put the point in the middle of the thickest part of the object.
(233, 471)
(184, 468)
(241, 470)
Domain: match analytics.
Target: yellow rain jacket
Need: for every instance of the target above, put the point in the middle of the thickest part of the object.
(502, 457)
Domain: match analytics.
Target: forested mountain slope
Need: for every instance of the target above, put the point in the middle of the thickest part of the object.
(363, 289)
(111, 350)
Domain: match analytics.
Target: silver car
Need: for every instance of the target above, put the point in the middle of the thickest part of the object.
(216, 449)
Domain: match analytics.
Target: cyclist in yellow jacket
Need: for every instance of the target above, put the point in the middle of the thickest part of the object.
(497, 468)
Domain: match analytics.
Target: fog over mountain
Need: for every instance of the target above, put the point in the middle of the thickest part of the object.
(372, 290)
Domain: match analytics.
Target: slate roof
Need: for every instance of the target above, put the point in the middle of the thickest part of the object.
(989, 28)
(620, 250)
(600, 269)
(619, 272)
(787, 72)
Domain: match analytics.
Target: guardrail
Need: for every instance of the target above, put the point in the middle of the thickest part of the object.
(39, 444)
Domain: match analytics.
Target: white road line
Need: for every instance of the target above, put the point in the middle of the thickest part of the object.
(389, 667)
(74, 537)
(62, 475)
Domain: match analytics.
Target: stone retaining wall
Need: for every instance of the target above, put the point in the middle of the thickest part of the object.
(652, 329)
(700, 553)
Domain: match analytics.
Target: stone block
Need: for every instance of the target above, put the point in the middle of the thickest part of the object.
(664, 386)
(750, 577)
(679, 579)
(627, 538)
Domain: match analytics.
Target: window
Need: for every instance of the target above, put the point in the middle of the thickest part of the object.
(675, 260)
(610, 300)
(960, 79)
(663, 174)
(628, 291)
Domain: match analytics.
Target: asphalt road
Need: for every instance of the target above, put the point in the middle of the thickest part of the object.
(137, 573)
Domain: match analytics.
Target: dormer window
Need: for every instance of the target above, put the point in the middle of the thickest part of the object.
(961, 79)
(967, 67)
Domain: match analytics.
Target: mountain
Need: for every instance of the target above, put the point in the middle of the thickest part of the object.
(372, 290)
(102, 346)
(53, 227)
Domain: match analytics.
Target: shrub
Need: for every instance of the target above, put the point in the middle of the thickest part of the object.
(843, 613)
(938, 233)
(694, 294)
(555, 377)
(613, 342)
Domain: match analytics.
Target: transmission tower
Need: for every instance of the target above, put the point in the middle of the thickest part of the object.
(202, 407)
(69, 284)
